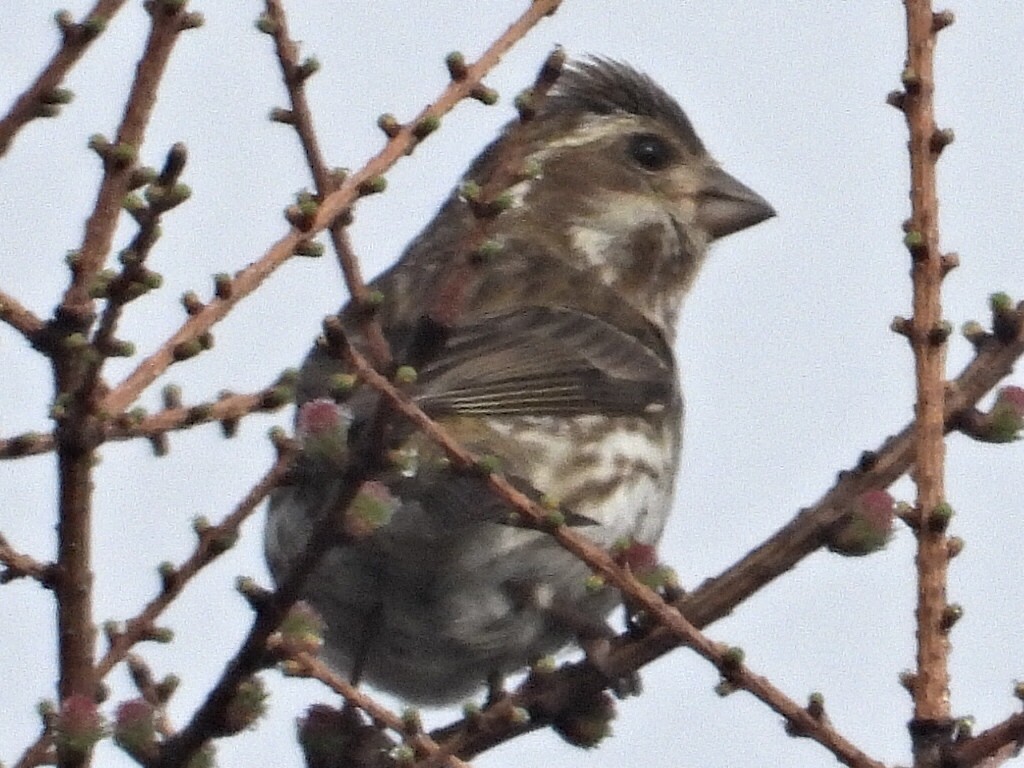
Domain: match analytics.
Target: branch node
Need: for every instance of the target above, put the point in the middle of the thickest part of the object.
(908, 680)
(941, 139)
(389, 124)
(485, 95)
(915, 243)
(265, 24)
(426, 126)
(940, 333)
(902, 326)
(191, 20)
(456, 64)
(191, 302)
(310, 249)
(309, 67)
(942, 19)
(939, 519)
(975, 333)
(222, 285)
(950, 616)
(257, 597)
(1006, 318)
(911, 80)
(372, 186)
(896, 99)
(282, 115)
(954, 546)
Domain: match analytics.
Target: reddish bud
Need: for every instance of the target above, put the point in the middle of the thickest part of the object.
(135, 727)
(635, 555)
(869, 527)
(1007, 415)
(642, 561)
(372, 508)
(322, 427)
(78, 726)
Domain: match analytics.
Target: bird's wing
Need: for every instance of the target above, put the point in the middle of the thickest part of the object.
(543, 360)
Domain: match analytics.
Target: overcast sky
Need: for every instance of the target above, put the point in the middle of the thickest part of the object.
(789, 368)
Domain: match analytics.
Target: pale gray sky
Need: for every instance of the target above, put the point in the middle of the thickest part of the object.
(789, 367)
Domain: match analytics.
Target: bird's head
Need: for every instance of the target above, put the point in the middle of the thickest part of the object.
(622, 186)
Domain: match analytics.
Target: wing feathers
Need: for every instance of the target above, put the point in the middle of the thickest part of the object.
(543, 361)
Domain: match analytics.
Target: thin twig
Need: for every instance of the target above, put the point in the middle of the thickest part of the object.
(18, 565)
(928, 342)
(227, 410)
(102, 222)
(20, 318)
(76, 40)
(302, 120)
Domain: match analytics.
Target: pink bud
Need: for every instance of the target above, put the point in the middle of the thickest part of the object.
(322, 416)
(642, 560)
(636, 556)
(322, 426)
(1007, 416)
(78, 726)
(135, 726)
(372, 508)
(869, 527)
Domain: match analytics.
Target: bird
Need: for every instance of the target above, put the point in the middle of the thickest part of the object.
(538, 311)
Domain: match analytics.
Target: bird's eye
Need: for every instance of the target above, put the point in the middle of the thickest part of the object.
(651, 151)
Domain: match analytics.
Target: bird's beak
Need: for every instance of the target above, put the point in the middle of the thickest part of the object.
(726, 206)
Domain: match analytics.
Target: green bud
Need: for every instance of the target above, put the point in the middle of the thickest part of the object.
(309, 248)
(162, 635)
(266, 25)
(309, 67)
(372, 186)
(483, 94)
(456, 64)
(426, 126)
(389, 124)
(405, 375)
(58, 96)
(187, 349)
(489, 464)
(469, 191)
(342, 384)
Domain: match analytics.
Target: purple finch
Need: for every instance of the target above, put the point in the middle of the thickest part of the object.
(538, 310)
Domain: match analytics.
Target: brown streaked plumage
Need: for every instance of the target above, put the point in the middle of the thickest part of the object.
(551, 352)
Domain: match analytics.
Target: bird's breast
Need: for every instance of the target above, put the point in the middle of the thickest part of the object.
(615, 470)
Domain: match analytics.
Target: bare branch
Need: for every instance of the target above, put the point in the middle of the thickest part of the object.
(927, 334)
(18, 565)
(36, 99)
(20, 318)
